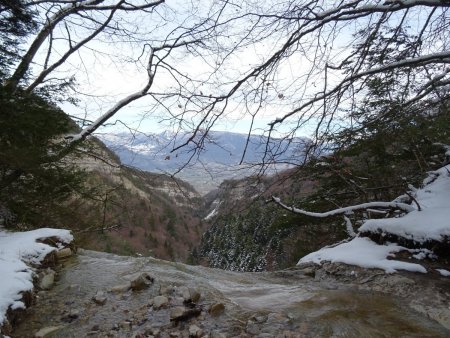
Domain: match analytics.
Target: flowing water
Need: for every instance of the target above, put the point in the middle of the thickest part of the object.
(278, 304)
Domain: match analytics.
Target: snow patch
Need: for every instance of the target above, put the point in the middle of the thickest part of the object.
(431, 223)
(211, 215)
(364, 253)
(444, 272)
(18, 251)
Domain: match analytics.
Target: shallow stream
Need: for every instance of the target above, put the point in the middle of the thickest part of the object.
(272, 304)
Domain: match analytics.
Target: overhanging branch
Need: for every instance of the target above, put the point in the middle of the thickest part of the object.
(342, 211)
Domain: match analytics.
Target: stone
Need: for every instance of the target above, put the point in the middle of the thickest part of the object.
(252, 328)
(63, 253)
(166, 289)
(195, 295)
(217, 334)
(47, 279)
(46, 331)
(121, 288)
(177, 312)
(153, 331)
(160, 301)
(216, 309)
(274, 318)
(71, 316)
(139, 335)
(126, 324)
(95, 328)
(180, 313)
(184, 293)
(195, 331)
(260, 319)
(141, 282)
(74, 313)
(99, 298)
(310, 272)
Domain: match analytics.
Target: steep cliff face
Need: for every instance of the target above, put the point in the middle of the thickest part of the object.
(248, 234)
(127, 211)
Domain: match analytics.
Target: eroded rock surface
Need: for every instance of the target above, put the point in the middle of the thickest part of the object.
(186, 301)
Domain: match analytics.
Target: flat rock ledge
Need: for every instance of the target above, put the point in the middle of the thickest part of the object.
(43, 280)
(428, 293)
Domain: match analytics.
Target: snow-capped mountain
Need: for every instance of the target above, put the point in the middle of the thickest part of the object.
(205, 163)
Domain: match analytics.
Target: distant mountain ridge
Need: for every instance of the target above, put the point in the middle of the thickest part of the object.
(221, 154)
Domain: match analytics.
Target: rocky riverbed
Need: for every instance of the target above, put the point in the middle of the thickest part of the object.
(103, 295)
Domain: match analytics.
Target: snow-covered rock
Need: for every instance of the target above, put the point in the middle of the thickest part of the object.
(365, 253)
(20, 254)
(427, 223)
(430, 223)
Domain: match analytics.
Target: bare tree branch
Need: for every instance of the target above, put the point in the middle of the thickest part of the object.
(345, 210)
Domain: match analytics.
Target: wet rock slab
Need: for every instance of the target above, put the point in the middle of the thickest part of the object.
(183, 301)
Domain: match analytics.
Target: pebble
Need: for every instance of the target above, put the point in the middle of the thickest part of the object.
(63, 253)
(160, 301)
(47, 279)
(99, 298)
(166, 289)
(252, 328)
(216, 309)
(184, 293)
(121, 288)
(217, 334)
(195, 331)
(126, 324)
(195, 295)
(260, 319)
(141, 282)
(46, 331)
(177, 312)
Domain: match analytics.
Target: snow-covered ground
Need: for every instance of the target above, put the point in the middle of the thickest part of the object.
(432, 222)
(18, 251)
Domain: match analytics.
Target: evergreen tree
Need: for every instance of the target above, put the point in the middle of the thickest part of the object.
(32, 174)
(16, 22)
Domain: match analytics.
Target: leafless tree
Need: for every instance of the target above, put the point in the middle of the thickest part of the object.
(307, 61)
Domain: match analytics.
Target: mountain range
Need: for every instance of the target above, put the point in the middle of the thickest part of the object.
(207, 160)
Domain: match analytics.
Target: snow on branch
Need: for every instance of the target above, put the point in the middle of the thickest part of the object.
(386, 205)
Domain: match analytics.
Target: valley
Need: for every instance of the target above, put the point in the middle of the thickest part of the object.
(126, 210)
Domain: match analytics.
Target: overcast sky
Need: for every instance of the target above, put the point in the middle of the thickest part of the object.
(112, 67)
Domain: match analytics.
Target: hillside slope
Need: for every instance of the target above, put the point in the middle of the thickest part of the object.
(247, 234)
(127, 211)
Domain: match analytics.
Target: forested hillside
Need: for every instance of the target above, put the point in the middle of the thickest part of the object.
(388, 158)
(108, 206)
